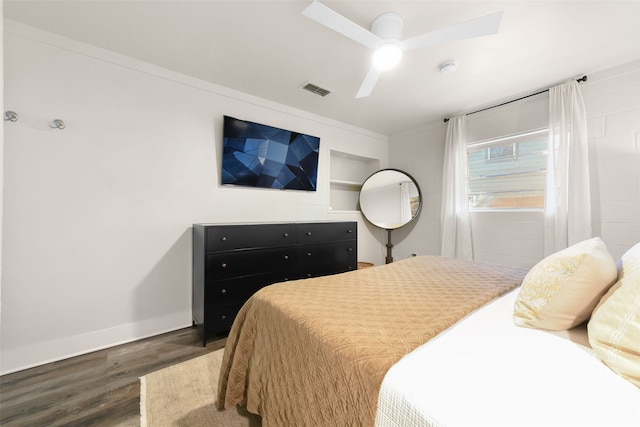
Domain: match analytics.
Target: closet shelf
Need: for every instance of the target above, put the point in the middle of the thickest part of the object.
(343, 211)
(345, 183)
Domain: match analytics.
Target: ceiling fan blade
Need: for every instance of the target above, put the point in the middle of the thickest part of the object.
(369, 82)
(483, 26)
(329, 18)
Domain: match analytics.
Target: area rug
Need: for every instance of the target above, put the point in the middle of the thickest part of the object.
(183, 395)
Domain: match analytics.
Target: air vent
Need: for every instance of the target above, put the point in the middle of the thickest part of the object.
(316, 90)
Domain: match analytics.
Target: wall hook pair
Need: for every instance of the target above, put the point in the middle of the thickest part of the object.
(12, 116)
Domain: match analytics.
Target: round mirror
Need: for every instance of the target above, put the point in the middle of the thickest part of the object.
(390, 199)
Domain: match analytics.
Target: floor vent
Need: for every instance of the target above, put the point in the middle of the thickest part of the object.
(316, 90)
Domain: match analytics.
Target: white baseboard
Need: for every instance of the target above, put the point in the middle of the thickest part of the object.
(40, 353)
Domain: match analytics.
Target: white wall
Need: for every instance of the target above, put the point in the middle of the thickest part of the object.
(97, 217)
(420, 153)
(612, 99)
(1, 142)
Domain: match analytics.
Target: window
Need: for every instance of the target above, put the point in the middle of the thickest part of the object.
(508, 172)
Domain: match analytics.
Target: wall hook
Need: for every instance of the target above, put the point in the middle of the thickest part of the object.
(57, 124)
(12, 116)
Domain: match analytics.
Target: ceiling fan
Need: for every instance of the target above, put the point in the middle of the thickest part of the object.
(385, 37)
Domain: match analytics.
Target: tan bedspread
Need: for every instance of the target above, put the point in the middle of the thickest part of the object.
(314, 352)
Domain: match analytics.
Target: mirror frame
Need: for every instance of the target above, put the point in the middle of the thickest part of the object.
(408, 176)
(389, 258)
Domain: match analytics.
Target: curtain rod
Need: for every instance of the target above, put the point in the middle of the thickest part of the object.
(581, 79)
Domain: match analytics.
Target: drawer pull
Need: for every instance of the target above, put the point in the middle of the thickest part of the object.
(223, 238)
(308, 253)
(223, 291)
(350, 250)
(308, 233)
(286, 257)
(223, 265)
(349, 231)
(308, 274)
(285, 235)
(223, 317)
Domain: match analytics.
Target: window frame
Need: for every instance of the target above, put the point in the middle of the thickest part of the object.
(514, 138)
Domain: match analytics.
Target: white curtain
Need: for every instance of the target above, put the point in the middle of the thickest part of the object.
(405, 202)
(454, 215)
(568, 196)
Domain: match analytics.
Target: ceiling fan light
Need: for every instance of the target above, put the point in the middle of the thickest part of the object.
(387, 56)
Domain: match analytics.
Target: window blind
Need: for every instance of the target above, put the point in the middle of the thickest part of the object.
(508, 172)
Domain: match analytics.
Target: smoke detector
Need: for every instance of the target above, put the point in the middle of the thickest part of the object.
(448, 67)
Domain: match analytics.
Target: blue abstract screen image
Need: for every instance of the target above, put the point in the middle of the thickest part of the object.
(257, 155)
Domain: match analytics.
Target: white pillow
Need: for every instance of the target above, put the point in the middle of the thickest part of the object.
(614, 328)
(561, 291)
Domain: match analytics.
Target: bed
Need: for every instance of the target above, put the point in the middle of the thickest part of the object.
(408, 344)
(511, 377)
(314, 352)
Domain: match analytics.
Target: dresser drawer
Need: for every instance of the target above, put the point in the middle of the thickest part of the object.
(231, 237)
(331, 258)
(324, 232)
(221, 319)
(341, 253)
(246, 263)
(316, 254)
(324, 269)
(239, 289)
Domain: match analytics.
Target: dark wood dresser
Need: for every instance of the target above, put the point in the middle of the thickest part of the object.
(232, 261)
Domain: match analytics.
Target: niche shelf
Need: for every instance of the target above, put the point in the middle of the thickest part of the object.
(347, 173)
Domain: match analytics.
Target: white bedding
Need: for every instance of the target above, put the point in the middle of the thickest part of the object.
(485, 371)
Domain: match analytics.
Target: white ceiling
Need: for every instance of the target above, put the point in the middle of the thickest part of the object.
(269, 49)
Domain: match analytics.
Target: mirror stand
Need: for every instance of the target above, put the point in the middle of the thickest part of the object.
(389, 258)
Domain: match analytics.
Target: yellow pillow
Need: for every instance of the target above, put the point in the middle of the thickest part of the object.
(614, 328)
(562, 290)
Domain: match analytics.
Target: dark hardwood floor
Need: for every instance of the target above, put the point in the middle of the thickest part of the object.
(97, 389)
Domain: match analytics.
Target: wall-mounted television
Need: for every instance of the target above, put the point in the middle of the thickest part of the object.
(257, 155)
